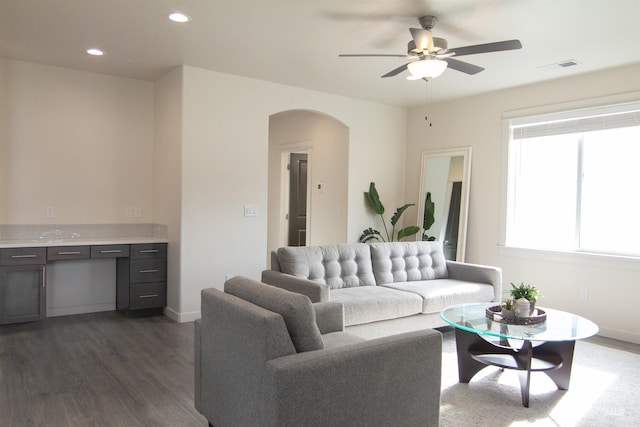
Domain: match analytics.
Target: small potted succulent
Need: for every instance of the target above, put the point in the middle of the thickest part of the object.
(527, 292)
(507, 309)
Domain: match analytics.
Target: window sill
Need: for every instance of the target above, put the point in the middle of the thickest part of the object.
(583, 258)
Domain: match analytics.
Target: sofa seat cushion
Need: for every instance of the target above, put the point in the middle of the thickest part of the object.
(339, 266)
(296, 309)
(408, 261)
(439, 294)
(372, 303)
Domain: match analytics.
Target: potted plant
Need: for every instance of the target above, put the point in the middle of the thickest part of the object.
(373, 201)
(507, 309)
(527, 292)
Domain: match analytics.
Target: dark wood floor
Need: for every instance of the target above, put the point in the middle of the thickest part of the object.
(98, 369)
(103, 369)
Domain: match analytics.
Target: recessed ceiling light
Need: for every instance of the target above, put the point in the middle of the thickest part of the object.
(179, 17)
(95, 52)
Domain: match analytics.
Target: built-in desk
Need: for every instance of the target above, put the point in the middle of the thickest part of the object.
(141, 273)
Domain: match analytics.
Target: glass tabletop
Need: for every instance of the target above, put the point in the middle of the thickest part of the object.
(559, 325)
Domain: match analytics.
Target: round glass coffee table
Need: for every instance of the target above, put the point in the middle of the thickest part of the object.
(546, 347)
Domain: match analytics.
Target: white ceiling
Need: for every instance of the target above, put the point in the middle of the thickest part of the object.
(297, 42)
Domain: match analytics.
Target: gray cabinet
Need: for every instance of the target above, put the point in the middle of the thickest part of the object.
(142, 279)
(22, 285)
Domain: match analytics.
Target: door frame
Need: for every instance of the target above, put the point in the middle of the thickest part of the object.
(302, 147)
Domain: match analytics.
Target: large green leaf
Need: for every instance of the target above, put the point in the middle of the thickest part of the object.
(408, 231)
(373, 199)
(398, 213)
(429, 213)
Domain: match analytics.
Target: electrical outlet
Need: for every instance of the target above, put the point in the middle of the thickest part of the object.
(51, 212)
(137, 212)
(128, 212)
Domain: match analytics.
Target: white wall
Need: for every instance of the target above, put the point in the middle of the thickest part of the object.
(477, 122)
(84, 144)
(327, 142)
(167, 176)
(225, 166)
(79, 142)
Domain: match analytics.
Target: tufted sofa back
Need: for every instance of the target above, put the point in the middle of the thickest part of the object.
(363, 264)
(408, 261)
(339, 266)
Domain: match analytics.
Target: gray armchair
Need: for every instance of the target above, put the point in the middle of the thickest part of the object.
(265, 356)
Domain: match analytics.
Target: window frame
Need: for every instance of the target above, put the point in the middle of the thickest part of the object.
(566, 111)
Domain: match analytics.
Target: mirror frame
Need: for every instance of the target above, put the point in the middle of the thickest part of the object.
(465, 153)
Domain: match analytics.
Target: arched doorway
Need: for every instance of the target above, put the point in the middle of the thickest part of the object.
(325, 142)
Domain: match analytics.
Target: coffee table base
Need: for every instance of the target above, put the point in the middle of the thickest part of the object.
(476, 352)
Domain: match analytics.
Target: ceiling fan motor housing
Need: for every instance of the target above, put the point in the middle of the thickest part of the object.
(427, 22)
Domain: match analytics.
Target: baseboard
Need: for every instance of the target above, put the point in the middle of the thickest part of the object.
(79, 309)
(620, 335)
(181, 317)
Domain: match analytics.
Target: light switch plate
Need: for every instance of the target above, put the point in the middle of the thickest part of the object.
(250, 210)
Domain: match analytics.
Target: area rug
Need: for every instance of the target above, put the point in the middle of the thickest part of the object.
(604, 391)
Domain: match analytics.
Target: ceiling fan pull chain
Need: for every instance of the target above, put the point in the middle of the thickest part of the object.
(429, 97)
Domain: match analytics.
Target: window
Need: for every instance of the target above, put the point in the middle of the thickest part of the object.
(574, 181)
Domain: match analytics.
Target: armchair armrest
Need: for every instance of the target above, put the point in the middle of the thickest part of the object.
(477, 273)
(317, 292)
(387, 381)
(329, 316)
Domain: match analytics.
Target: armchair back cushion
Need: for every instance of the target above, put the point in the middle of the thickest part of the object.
(296, 309)
(408, 261)
(338, 266)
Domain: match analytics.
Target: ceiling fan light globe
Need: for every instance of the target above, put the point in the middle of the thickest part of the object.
(427, 68)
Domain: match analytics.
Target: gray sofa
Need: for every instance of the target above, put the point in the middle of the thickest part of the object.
(385, 288)
(268, 357)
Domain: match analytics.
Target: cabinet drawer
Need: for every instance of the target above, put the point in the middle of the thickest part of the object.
(149, 250)
(147, 295)
(148, 270)
(23, 256)
(67, 252)
(109, 251)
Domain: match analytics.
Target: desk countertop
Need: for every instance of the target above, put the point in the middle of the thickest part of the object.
(84, 241)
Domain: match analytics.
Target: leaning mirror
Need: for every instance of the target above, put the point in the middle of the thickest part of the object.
(443, 200)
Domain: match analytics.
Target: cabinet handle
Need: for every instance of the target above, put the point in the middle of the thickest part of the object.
(111, 251)
(149, 271)
(149, 251)
(148, 296)
(24, 256)
(69, 253)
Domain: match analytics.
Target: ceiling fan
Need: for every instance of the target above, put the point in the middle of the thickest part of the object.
(430, 55)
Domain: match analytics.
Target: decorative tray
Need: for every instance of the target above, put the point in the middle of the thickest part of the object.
(495, 313)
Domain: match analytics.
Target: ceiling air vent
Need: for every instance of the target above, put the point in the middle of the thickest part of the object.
(560, 65)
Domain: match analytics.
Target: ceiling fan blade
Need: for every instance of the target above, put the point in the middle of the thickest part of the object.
(487, 47)
(422, 39)
(464, 67)
(395, 71)
(348, 55)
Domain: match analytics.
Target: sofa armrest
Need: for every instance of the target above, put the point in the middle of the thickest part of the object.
(477, 273)
(317, 292)
(387, 381)
(329, 316)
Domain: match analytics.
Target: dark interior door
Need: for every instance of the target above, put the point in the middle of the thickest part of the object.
(297, 199)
